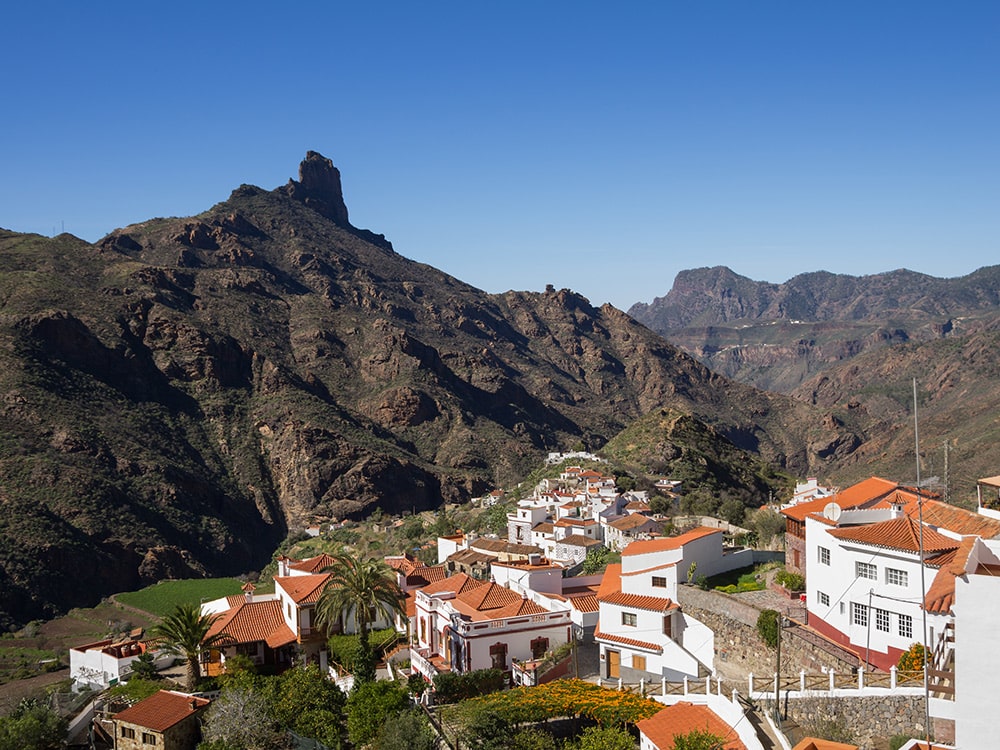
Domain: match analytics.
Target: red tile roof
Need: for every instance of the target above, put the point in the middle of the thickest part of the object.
(813, 743)
(610, 592)
(897, 533)
(944, 516)
(633, 642)
(585, 603)
(682, 718)
(161, 710)
(856, 496)
(633, 521)
(250, 622)
(303, 589)
(941, 594)
(313, 564)
(480, 600)
(563, 522)
(579, 540)
(670, 542)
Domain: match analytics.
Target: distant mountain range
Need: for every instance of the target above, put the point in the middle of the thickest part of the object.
(858, 342)
(181, 393)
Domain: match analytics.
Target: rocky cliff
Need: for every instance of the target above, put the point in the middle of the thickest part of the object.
(178, 395)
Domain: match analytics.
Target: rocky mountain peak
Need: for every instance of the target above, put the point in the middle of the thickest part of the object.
(319, 188)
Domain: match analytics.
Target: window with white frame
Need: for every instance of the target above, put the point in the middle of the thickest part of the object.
(906, 626)
(882, 620)
(865, 570)
(859, 614)
(628, 618)
(823, 598)
(823, 555)
(896, 577)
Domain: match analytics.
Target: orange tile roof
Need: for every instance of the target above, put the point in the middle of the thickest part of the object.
(856, 496)
(632, 521)
(161, 710)
(563, 522)
(638, 506)
(585, 603)
(480, 600)
(544, 527)
(670, 542)
(633, 642)
(458, 583)
(941, 594)
(250, 622)
(610, 592)
(579, 540)
(897, 533)
(682, 718)
(950, 517)
(303, 589)
(313, 564)
(813, 743)
(426, 574)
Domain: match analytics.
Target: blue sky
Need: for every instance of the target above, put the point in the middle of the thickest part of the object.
(593, 146)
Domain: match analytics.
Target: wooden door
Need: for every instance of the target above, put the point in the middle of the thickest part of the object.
(614, 664)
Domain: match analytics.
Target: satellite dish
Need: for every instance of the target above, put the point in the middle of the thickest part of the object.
(832, 512)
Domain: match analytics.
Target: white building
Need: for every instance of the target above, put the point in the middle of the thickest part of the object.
(464, 624)
(641, 629)
(109, 662)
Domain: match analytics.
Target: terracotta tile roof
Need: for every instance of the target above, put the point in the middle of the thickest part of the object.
(950, 517)
(502, 546)
(250, 622)
(303, 589)
(563, 522)
(897, 533)
(480, 600)
(633, 642)
(610, 592)
(669, 542)
(682, 718)
(585, 603)
(313, 564)
(638, 601)
(457, 583)
(426, 574)
(470, 557)
(638, 506)
(941, 594)
(579, 540)
(544, 527)
(633, 521)
(161, 710)
(813, 743)
(857, 495)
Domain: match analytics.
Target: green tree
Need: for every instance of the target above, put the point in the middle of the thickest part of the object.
(698, 739)
(767, 523)
(531, 738)
(144, 668)
(242, 720)
(598, 558)
(184, 633)
(495, 520)
(486, 729)
(303, 700)
(605, 738)
(372, 704)
(408, 731)
(361, 589)
(32, 725)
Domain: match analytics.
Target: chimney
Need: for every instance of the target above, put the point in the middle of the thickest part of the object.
(248, 589)
(194, 704)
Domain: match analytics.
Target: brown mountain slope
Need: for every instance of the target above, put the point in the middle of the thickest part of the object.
(179, 394)
(957, 401)
(774, 336)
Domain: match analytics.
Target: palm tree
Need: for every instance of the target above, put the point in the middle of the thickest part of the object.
(362, 589)
(184, 632)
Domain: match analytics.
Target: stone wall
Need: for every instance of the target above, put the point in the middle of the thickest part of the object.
(862, 720)
(739, 649)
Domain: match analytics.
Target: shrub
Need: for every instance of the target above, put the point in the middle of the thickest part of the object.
(912, 660)
(451, 687)
(791, 581)
(767, 627)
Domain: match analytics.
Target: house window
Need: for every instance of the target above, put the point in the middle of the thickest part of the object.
(659, 582)
(538, 647)
(882, 620)
(668, 626)
(896, 577)
(423, 630)
(823, 555)
(628, 618)
(859, 614)
(865, 570)
(128, 733)
(148, 739)
(498, 656)
(639, 662)
(823, 598)
(906, 626)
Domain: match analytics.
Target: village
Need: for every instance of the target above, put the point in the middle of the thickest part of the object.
(869, 576)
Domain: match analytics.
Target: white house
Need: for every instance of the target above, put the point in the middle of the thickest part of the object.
(109, 662)
(642, 631)
(464, 624)
(713, 714)
(864, 588)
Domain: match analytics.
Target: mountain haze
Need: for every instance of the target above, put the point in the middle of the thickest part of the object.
(181, 393)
